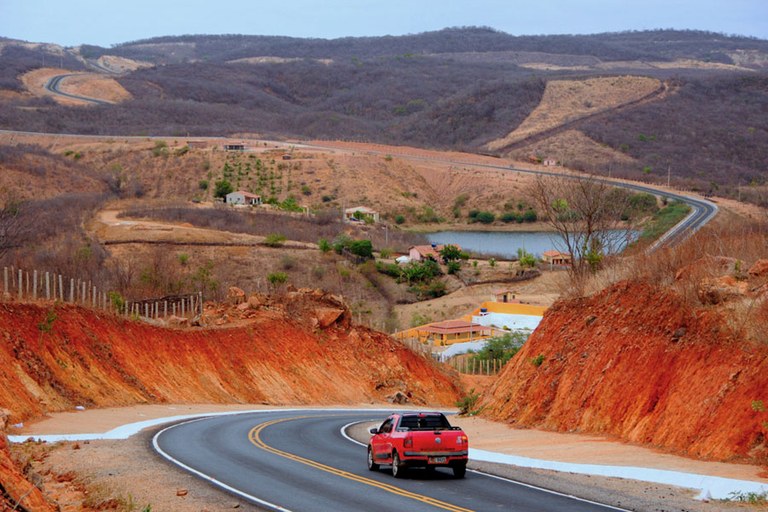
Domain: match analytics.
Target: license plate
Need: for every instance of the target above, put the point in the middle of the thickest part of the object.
(437, 460)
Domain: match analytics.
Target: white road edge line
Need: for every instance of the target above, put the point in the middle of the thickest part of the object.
(542, 489)
(208, 478)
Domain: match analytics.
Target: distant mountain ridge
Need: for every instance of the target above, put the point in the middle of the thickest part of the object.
(633, 45)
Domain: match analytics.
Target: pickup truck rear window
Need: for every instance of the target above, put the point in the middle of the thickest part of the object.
(427, 422)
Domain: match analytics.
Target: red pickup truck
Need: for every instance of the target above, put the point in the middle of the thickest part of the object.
(418, 439)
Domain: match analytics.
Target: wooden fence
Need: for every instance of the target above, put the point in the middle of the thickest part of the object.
(23, 285)
(463, 363)
(474, 366)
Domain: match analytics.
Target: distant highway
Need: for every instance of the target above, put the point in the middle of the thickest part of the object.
(702, 211)
(304, 461)
(54, 85)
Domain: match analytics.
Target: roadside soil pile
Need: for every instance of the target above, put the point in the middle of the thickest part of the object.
(300, 349)
(642, 364)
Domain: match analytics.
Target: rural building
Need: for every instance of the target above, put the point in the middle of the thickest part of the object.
(243, 197)
(423, 252)
(360, 213)
(550, 162)
(234, 146)
(506, 296)
(556, 258)
(452, 331)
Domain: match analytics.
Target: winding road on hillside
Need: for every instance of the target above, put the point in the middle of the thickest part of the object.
(53, 85)
(305, 461)
(702, 211)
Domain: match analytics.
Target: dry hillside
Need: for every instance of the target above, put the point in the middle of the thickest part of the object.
(678, 376)
(298, 349)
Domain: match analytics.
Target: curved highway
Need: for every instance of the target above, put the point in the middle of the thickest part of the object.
(54, 85)
(702, 211)
(303, 461)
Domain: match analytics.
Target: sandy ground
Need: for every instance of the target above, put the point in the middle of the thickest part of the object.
(131, 474)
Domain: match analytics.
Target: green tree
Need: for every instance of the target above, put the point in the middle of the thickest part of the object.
(323, 245)
(502, 347)
(361, 248)
(450, 253)
(526, 259)
(222, 188)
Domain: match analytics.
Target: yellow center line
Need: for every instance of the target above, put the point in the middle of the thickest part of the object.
(255, 437)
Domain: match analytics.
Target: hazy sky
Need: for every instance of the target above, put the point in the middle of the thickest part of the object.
(107, 22)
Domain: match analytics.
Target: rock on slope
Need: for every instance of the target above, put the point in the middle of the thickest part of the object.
(639, 364)
(58, 357)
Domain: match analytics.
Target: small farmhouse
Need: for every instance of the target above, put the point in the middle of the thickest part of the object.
(508, 296)
(452, 331)
(360, 213)
(243, 198)
(556, 258)
(234, 146)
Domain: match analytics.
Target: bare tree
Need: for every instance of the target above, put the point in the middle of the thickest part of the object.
(15, 227)
(586, 213)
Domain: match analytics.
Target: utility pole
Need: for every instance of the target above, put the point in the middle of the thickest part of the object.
(669, 174)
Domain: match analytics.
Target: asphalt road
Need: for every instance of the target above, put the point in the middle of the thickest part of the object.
(702, 211)
(302, 461)
(54, 85)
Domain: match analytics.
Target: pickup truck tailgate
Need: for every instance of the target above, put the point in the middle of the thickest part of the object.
(439, 441)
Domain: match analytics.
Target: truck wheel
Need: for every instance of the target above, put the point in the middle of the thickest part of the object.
(372, 466)
(398, 468)
(459, 471)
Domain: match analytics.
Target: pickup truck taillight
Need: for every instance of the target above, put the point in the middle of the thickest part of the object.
(461, 440)
(408, 442)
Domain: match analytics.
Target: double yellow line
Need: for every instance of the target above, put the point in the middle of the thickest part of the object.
(255, 437)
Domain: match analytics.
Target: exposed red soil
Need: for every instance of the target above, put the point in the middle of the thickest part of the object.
(640, 364)
(282, 356)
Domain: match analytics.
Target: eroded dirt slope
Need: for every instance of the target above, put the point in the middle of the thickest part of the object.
(57, 357)
(640, 364)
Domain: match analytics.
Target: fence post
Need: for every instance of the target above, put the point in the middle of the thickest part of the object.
(71, 289)
(61, 288)
(165, 309)
(173, 307)
(21, 283)
(47, 286)
(200, 295)
(182, 307)
(5, 281)
(34, 285)
(27, 280)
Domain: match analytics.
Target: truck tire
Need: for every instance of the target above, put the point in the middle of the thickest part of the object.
(372, 466)
(459, 471)
(398, 468)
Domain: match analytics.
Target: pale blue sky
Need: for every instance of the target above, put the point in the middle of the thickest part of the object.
(107, 22)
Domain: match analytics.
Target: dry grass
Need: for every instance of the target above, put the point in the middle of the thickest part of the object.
(716, 252)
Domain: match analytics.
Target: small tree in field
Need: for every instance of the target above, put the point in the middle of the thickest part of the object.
(586, 214)
(450, 253)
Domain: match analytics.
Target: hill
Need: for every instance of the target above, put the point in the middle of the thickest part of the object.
(459, 88)
(686, 375)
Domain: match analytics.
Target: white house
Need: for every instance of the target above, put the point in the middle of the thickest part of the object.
(243, 197)
(360, 212)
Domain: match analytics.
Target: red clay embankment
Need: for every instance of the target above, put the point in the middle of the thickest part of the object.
(56, 357)
(637, 363)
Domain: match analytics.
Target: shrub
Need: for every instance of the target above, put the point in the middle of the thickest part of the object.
(530, 216)
(277, 278)
(203, 185)
(467, 404)
(508, 217)
(526, 259)
(324, 245)
(485, 217)
(274, 240)
(538, 360)
(453, 267)
(399, 219)
(361, 248)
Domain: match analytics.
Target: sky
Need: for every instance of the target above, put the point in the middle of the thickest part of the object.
(109, 22)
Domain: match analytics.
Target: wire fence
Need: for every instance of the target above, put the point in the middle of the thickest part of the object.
(23, 285)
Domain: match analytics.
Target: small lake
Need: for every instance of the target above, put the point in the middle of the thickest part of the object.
(506, 243)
